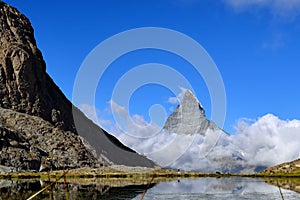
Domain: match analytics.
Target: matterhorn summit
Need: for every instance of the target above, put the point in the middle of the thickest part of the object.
(189, 118)
(211, 149)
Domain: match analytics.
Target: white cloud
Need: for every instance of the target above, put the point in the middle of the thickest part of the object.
(120, 110)
(91, 112)
(275, 42)
(276, 7)
(279, 8)
(179, 151)
(264, 142)
(179, 97)
(269, 141)
(135, 126)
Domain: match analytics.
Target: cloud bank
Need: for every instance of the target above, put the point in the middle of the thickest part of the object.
(265, 142)
(269, 141)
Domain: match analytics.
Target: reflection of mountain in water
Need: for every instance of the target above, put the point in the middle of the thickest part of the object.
(285, 183)
(14, 190)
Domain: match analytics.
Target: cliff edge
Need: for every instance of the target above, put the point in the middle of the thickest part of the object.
(37, 129)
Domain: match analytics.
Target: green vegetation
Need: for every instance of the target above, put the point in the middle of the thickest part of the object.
(136, 175)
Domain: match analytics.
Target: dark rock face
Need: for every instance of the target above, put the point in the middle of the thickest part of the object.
(24, 84)
(189, 118)
(37, 130)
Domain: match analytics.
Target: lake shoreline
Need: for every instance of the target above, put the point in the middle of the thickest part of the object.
(122, 172)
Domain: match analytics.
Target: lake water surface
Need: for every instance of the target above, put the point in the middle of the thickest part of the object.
(200, 188)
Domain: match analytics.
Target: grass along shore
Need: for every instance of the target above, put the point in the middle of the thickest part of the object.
(124, 172)
(122, 176)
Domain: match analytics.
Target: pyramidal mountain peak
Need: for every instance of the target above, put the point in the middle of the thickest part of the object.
(189, 117)
(191, 98)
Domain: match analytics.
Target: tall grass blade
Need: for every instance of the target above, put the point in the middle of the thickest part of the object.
(49, 185)
(280, 191)
(145, 191)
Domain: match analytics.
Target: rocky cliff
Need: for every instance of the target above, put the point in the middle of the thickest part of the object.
(24, 84)
(189, 117)
(37, 122)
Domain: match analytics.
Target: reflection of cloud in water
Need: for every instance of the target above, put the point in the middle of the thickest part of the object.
(222, 188)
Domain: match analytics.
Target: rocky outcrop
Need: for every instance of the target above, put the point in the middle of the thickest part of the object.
(289, 171)
(189, 118)
(284, 168)
(37, 130)
(24, 84)
(31, 143)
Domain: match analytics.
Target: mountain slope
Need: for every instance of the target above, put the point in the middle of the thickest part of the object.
(26, 88)
(292, 167)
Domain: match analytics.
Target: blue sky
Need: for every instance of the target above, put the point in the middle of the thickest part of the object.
(254, 45)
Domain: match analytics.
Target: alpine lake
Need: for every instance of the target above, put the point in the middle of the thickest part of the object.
(150, 187)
